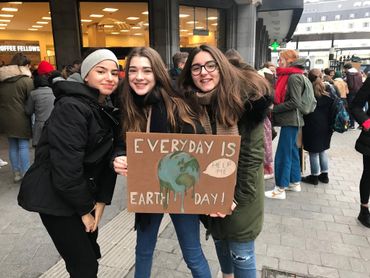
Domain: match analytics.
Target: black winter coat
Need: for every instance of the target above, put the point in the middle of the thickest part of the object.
(317, 130)
(72, 169)
(362, 97)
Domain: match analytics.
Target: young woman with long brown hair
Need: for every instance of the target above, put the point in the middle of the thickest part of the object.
(317, 131)
(150, 104)
(232, 102)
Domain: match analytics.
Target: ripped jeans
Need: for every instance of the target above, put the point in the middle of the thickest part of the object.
(237, 257)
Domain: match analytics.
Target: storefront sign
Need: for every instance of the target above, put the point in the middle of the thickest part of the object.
(181, 173)
(200, 32)
(20, 48)
(10, 47)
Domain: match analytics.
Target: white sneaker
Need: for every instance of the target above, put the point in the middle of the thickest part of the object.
(276, 193)
(17, 177)
(3, 163)
(268, 176)
(296, 187)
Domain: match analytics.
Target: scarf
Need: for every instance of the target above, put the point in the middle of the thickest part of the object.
(205, 100)
(282, 82)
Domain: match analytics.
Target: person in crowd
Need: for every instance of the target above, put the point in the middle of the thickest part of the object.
(15, 87)
(150, 104)
(363, 146)
(232, 101)
(329, 75)
(179, 60)
(341, 86)
(72, 178)
(317, 131)
(41, 100)
(288, 92)
(268, 71)
(354, 81)
(76, 64)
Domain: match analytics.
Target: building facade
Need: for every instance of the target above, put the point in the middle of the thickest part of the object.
(65, 29)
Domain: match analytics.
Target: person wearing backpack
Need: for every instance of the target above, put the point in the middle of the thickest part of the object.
(317, 131)
(363, 146)
(286, 114)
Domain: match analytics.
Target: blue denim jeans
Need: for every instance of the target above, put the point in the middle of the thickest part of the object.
(287, 163)
(319, 163)
(19, 154)
(237, 258)
(187, 231)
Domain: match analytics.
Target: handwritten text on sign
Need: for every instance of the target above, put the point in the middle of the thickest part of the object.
(181, 173)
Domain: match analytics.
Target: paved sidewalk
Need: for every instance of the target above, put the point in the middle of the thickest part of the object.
(314, 232)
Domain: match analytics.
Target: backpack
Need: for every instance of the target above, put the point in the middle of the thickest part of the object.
(339, 115)
(308, 103)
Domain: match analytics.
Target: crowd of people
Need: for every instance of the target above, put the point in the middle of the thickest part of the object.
(78, 119)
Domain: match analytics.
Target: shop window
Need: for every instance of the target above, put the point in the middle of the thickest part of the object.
(114, 24)
(198, 26)
(26, 28)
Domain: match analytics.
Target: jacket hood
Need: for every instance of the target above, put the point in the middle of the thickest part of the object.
(75, 77)
(352, 70)
(74, 87)
(13, 72)
(299, 63)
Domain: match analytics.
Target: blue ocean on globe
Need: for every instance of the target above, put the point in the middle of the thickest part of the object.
(177, 172)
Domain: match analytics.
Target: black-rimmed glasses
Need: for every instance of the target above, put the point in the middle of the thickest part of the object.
(210, 66)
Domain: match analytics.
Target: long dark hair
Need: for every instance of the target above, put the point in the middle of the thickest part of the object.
(133, 117)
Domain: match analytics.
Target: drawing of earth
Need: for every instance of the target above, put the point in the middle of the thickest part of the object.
(177, 172)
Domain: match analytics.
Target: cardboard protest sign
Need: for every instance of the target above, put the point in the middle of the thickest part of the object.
(181, 173)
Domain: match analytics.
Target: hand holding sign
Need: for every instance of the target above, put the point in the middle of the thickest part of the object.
(120, 165)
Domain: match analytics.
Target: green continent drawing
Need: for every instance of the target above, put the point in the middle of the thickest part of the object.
(177, 172)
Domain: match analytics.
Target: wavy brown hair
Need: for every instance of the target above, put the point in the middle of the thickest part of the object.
(255, 85)
(133, 116)
(233, 89)
(315, 76)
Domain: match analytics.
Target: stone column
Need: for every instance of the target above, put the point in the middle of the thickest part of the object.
(96, 37)
(164, 28)
(246, 29)
(66, 31)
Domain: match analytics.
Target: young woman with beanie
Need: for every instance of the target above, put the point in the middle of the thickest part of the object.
(317, 131)
(363, 146)
(288, 91)
(15, 87)
(150, 104)
(72, 178)
(233, 100)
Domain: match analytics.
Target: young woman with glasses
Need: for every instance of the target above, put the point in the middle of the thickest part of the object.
(232, 102)
(149, 104)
